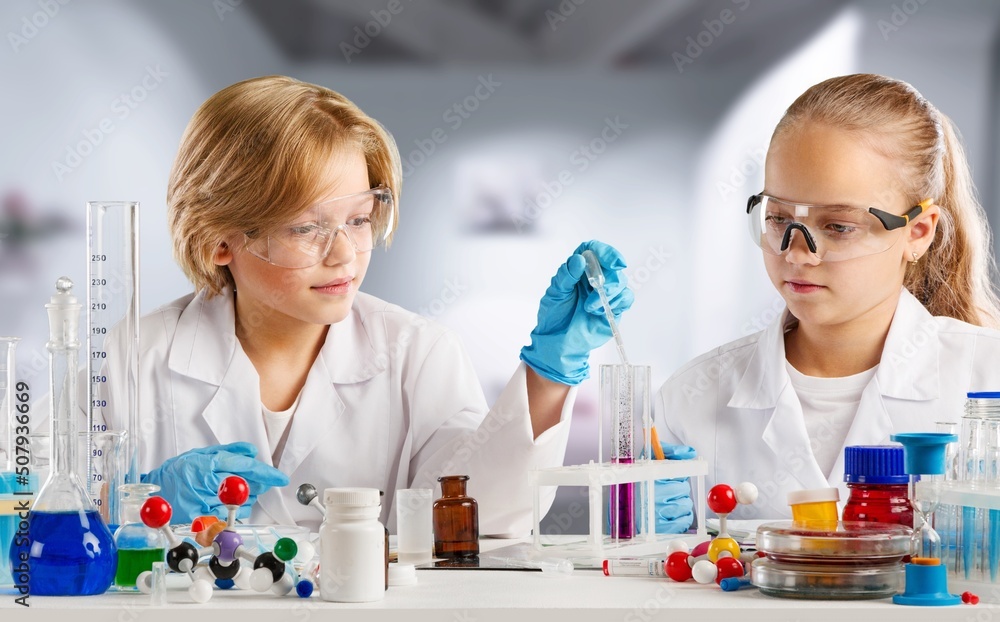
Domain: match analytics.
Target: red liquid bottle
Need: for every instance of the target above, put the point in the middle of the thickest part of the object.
(456, 520)
(877, 484)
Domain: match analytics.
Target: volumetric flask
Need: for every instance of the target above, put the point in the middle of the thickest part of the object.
(112, 334)
(624, 401)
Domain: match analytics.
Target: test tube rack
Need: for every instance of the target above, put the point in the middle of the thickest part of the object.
(954, 497)
(595, 477)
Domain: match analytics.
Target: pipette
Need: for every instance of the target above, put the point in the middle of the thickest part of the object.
(596, 278)
(548, 565)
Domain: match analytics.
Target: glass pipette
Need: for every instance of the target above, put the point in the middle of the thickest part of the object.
(596, 278)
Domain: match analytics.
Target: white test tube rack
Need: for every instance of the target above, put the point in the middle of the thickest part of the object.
(595, 476)
(959, 495)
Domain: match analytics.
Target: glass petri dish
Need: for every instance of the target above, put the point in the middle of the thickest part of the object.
(813, 582)
(852, 543)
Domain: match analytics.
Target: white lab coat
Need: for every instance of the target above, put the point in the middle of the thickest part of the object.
(737, 407)
(391, 402)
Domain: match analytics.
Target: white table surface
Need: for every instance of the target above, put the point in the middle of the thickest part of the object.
(484, 596)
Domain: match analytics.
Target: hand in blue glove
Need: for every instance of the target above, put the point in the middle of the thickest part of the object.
(571, 320)
(674, 509)
(190, 482)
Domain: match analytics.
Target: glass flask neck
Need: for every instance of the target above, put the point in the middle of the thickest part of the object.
(63, 491)
(453, 485)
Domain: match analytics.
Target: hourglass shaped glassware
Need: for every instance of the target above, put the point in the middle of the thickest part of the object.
(926, 576)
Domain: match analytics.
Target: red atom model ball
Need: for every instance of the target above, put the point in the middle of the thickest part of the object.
(155, 512)
(728, 567)
(234, 491)
(722, 499)
(677, 566)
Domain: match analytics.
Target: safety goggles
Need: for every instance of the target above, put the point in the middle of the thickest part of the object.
(831, 232)
(307, 240)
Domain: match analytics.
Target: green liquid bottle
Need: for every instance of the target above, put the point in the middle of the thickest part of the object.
(138, 545)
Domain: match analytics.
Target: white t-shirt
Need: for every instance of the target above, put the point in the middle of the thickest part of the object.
(277, 424)
(828, 406)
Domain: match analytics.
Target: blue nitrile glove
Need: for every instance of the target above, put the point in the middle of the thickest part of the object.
(674, 509)
(571, 320)
(190, 482)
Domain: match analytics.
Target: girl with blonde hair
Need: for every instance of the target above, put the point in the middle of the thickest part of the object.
(871, 232)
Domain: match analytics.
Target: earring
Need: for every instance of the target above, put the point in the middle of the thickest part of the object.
(915, 259)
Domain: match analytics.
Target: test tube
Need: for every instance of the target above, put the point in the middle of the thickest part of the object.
(624, 399)
(946, 517)
(112, 336)
(968, 553)
(990, 546)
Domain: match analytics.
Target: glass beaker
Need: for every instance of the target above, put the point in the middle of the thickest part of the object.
(624, 401)
(414, 525)
(107, 473)
(70, 551)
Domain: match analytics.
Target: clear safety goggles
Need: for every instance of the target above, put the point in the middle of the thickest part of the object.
(831, 232)
(307, 240)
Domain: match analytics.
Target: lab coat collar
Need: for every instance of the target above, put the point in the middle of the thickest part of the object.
(765, 377)
(205, 342)
(911, 349)
(910, 365)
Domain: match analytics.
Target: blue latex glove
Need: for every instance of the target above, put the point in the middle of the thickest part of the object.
(190, 482)
(674, 508)
(571, 320)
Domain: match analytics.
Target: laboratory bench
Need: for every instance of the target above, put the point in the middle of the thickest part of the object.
(491, 595)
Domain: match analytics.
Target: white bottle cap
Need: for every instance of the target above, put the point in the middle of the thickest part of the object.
(816, 495)
(402, 574)
(351, 497)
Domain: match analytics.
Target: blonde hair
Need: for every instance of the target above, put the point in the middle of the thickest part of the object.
(255, 154)
(954, 277)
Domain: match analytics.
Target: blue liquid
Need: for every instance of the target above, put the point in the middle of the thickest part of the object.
(72, 554)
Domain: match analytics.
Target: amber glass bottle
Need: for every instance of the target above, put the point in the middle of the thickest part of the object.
(456, 520)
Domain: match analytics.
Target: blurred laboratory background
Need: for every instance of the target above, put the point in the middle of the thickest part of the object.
(525, 127)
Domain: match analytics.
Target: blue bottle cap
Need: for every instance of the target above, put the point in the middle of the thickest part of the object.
(983, 395)
(874, 464)
(924, 451)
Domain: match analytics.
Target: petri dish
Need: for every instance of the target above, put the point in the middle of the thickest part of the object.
(851, 543)
(826, 582)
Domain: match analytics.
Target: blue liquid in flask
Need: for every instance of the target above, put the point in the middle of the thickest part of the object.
(71, 554)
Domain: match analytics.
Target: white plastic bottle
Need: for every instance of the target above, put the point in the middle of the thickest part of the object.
(352, 561)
